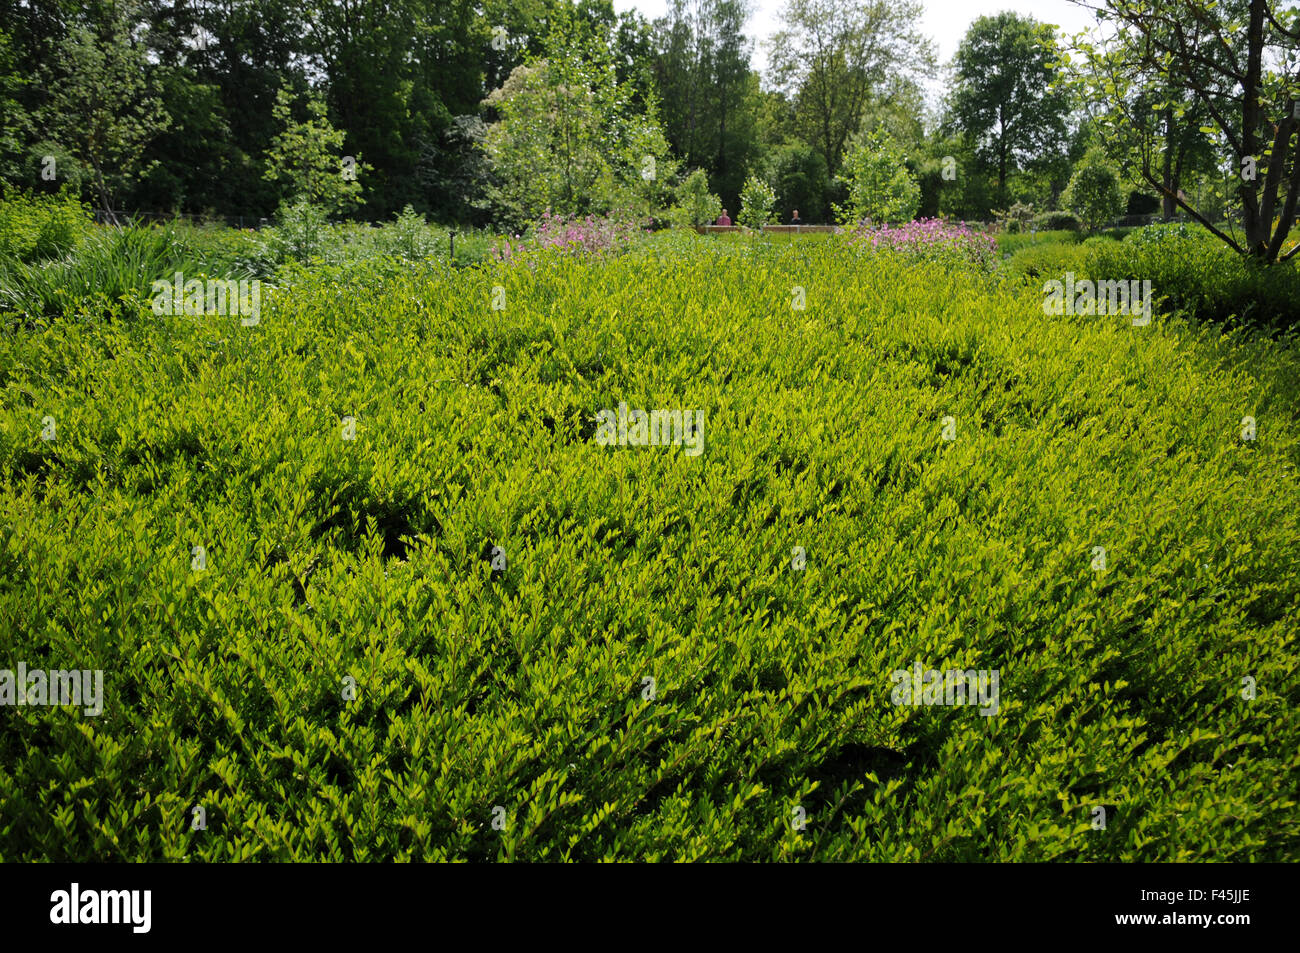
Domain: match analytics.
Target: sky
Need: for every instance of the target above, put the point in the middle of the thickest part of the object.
(944, 21)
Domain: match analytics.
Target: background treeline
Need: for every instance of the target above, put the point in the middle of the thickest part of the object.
(489, 112)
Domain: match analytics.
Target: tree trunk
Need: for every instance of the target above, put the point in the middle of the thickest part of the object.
(1002, 171)
(1167, 197)
(1252, 222)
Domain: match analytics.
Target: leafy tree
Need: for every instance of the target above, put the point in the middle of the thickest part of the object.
(1237, 62)
(457, 166)
(569, 138)
(1094, 193)
(1006, 96)
(219, 66)
(1148, 125)
(954, 182)
(697, 204)
(710, 94)
(756, 201)
(101, 106)
(832, 57)
(193, 162)
(797, 172)
(308, 156)
(881, 188)
(12, 129)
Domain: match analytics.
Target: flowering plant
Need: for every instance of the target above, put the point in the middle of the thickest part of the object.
(609, 234)
(930, 239)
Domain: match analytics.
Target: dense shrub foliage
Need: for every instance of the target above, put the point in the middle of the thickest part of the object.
(757, 200)
(881, 188)
(1195, 274)
(1094, 193)
(1057, 221)
(1203, 277)
(500, 587)
(1009, 243)
(53, 262)
(696, 205)
(107, 266)
(1048, 260)
(35, 228)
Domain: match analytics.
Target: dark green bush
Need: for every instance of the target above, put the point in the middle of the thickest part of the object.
(1201, 276)
(1057, 221)
(36, 228)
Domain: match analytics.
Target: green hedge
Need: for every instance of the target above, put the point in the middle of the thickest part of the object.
(523, 686)
(1200, 276)
(37, 228)
(1057, 221)
(1009, 243)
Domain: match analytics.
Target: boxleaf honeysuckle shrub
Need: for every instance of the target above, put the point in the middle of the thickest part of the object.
(39, 228)
(434, 618)
(1202, 277)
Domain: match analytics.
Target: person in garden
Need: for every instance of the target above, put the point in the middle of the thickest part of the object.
(723, 219)
(795, 219)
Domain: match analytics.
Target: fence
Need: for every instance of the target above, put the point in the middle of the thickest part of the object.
(254, 222)
(778, 229)
(230, 221)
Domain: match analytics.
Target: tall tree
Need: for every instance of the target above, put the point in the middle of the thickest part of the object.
(102, 107)
(307, 156)
(569, 139)
(1149, 125)
(1006, 97)
(833, 57)
(11, 116)
(708, 89)
(1239, 62)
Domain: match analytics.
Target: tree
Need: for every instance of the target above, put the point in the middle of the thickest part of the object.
(219, 66)
(756, 201)
(962, 185)
(1145, 122)
(880, 186)
(308, 156)
(11, 114)
(710, 94)
(569, 138)
(1006, 98)
(698, 205)
(1094, 193)
(1239, 62)
(797, 172)
(832, 56)
(101, 107)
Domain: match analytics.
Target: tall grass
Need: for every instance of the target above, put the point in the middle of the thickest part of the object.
(107, 267)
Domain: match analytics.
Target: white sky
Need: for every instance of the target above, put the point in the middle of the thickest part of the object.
(944, 21)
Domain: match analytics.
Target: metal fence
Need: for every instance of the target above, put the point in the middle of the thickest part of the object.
(230, 221)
